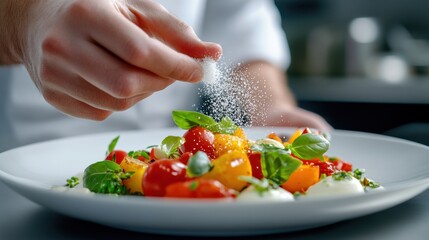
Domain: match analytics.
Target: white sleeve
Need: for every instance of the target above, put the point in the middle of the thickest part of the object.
(247, 30)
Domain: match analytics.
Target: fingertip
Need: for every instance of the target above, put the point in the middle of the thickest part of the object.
(214, 51)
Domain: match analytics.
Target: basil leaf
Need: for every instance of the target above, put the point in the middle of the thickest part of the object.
(170, 145)
(277, 165)
(260, 186)
(225, 126)
(266, 148)
(198, 164)
(188, 119)
(105, 177)
(112, 145)
(309, 146)
(139, 153)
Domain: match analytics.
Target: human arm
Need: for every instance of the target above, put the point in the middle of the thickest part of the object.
(251, 34)
(273, 103)
(91, 58)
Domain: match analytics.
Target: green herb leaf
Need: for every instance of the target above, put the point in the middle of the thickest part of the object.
(139, 153)
(189, 119)
(309, 146)
(358, 173)
(112, 145)
(105, 177)
(369, 183)
(226, 126)
(193, 186)
(260, 186)
(341, 176)
(198, 164)
(170, 145)
(277, 165)
(266, 148)
(72, 182)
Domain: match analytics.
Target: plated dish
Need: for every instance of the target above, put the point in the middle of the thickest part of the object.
(402, 167)
(216, 160)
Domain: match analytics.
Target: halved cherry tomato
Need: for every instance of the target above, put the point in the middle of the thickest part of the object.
(185, 157)
(228, 167)
(255, 161)
(198, 139)
(300, 180)
(160, 174)
(325, 167)
(199, 188)
(118, 155)
(341, 165)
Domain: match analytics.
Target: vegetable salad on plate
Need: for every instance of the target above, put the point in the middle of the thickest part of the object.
(216, 160)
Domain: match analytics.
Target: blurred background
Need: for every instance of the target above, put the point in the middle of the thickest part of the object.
(363, 65)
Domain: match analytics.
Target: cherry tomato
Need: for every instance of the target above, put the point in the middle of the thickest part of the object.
(325, 167)
(198, 139)
(341, 165)
(199, 188)
(255, 161)
(160, 174)
(118, 155)
(185, 157)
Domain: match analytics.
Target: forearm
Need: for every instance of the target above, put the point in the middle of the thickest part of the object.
(13, 21)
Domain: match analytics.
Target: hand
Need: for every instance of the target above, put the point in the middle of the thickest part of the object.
(291, 116)
(273, 104)
(90, 58)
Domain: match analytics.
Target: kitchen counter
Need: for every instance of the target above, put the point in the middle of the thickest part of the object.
(22, 219)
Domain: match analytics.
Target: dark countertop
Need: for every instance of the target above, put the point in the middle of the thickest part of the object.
(22, 219)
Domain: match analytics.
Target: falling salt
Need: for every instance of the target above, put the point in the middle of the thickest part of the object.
(211, 71)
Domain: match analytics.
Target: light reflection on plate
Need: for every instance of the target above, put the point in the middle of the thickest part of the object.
(401, 166)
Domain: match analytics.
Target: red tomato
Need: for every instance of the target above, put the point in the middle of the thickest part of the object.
(118, 155)
(160, 174)
(199, 188)
(341, 165)
(198, 139)
(255, 161)
(185, 157)
(325, 167)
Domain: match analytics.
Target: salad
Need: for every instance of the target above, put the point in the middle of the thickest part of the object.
(216, 160)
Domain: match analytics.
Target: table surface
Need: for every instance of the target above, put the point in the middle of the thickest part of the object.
(23, 219)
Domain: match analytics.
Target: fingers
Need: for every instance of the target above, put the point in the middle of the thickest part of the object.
(57, 80)
(113, 76)
(127, 41)
(295, 117)
(173, 31)
(74, 107)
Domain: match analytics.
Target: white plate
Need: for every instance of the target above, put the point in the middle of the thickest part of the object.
(401, 166)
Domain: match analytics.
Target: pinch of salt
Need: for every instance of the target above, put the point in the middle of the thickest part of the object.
(211, 71)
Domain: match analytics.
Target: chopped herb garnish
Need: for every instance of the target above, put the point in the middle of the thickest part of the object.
(193, 186)
(358, 173)
(369, 183)
(72, 182)
(341, 176)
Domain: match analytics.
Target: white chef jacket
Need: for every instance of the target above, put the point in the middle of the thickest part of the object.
(246, 29)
